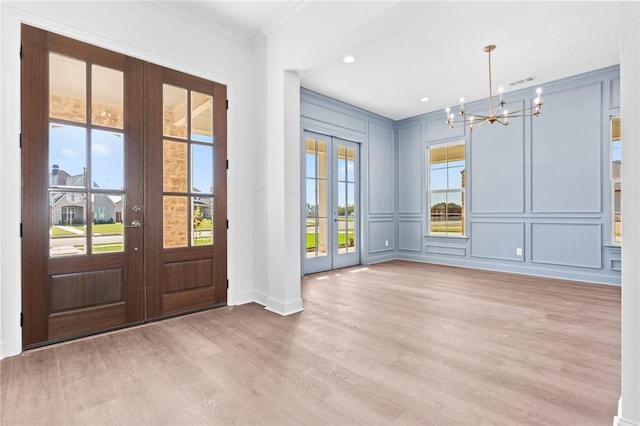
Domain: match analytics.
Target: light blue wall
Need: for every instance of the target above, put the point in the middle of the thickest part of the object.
(377, 140)
(540, 184)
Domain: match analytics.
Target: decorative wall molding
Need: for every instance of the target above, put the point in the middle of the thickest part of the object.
(615, 264)
(410, 235)
(558, 246)
(448, 250)
(553, 188)
(499, 241)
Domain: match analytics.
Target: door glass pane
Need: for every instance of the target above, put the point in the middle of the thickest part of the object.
(107, 96)
(341, 209)
(174, 166)
(322, 159)
(174, 101)
(175, 225)
(201, 117)
(351, 218)
(202, 168)
(323, 198)
(342, 163)
(107, 231)
(311, 237)
(321, 237)
(351, 237)
(351, 164)
(67, 88)
(107, 159)
(67, 155)
(68, 231)
(312, 205)
(202, 221)
(310, 157)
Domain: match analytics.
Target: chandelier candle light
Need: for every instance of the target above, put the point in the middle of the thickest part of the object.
(500, 115)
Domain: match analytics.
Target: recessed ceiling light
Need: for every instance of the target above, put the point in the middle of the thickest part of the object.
(348, 59)
(425, 99)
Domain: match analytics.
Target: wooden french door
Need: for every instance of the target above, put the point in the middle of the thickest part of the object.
(107, 241)
(185, 159)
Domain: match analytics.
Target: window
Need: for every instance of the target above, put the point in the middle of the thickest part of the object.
(615, 180)
(446, 189)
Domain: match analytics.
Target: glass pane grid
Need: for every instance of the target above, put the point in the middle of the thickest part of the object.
(316, 221)
(86, 160)
(446, 189)
(188, 167)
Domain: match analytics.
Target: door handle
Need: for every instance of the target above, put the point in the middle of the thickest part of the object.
(134, 224)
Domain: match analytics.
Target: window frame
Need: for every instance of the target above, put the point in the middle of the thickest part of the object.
(461, 191)
(613, 182)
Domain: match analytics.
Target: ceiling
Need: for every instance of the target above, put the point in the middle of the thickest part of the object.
(407, 50)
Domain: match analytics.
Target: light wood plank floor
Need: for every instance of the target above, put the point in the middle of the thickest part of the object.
(393, 343)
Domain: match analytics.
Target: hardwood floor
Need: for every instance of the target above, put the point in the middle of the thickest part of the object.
(393, 343)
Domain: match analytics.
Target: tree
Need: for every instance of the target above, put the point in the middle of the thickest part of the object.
(198, 217)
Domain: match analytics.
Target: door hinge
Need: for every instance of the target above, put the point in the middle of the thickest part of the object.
(20, 229)
(227, 282)
(227, 223)
(227, 164)
(20, 51)
(20, 140)
(227, 103)
(21, 319)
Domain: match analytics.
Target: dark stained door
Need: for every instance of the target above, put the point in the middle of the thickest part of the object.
(124, 190)
(185, 192)
(82, 269)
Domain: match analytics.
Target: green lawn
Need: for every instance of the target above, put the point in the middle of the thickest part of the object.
(442, 227)
(108, 229)
(202, 241)
(102, 229)
(103, 248)
(311, 240)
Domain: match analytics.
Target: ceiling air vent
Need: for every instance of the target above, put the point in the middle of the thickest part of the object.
(523, 81)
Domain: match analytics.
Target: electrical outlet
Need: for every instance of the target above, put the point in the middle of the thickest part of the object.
(518, 251)
(386, 243)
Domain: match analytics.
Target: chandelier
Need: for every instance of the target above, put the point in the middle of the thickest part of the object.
(500, 114)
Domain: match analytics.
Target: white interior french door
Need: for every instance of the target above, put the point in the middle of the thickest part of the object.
(331, 197)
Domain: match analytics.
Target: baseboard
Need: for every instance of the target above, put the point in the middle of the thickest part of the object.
(619, 421)
(519, 269)
(371, 259)
(284, 307)
(251, 297)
